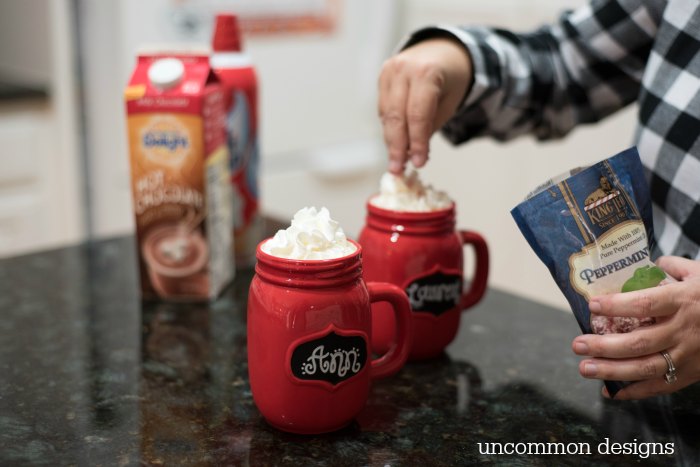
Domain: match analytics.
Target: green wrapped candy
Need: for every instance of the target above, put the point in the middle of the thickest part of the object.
(643, 278)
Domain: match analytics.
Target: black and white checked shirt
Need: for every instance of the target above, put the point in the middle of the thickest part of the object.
(592, 62)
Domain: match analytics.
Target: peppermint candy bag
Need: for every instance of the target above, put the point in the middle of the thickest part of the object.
(593, 229)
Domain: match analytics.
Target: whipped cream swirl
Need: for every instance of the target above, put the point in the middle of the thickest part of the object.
(408, 193)
(312, 235)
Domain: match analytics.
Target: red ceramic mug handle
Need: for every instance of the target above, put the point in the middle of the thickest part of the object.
(481, 269)
(394, 359)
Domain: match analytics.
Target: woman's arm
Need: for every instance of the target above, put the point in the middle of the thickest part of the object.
(579, 70)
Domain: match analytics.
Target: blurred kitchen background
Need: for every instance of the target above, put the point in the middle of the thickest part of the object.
(64, 175)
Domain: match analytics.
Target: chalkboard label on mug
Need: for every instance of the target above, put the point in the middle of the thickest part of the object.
(332, 358)
(435, 292)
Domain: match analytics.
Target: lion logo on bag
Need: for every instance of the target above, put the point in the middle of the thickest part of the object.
(605, 206)
(605, 190)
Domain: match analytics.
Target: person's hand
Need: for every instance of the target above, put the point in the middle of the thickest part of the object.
(636, 356)
(419, 90)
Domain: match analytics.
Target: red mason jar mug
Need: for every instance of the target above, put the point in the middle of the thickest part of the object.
(421, 252)
(309, 331)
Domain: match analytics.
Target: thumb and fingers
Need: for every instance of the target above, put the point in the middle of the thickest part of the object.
(420, 113)
(637, 356)
(407, 108)
(679, 268)
(419, 90)
(393, 97)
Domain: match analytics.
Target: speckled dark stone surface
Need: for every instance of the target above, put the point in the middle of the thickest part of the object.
(89, 375)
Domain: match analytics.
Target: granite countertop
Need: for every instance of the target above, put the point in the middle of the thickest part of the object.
(90, 375)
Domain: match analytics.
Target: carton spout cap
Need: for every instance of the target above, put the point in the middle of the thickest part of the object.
(227, 34)
(166, 73)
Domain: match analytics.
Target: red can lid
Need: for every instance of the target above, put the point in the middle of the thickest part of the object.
(227, 34)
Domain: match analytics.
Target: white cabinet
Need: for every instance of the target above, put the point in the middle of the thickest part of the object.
(40, 166)
(23, 198)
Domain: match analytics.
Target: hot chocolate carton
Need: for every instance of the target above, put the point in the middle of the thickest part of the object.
(180, 177)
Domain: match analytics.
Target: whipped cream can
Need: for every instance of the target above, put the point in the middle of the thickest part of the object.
(234, 68)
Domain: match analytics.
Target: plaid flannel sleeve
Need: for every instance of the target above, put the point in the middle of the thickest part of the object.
(586, 66)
